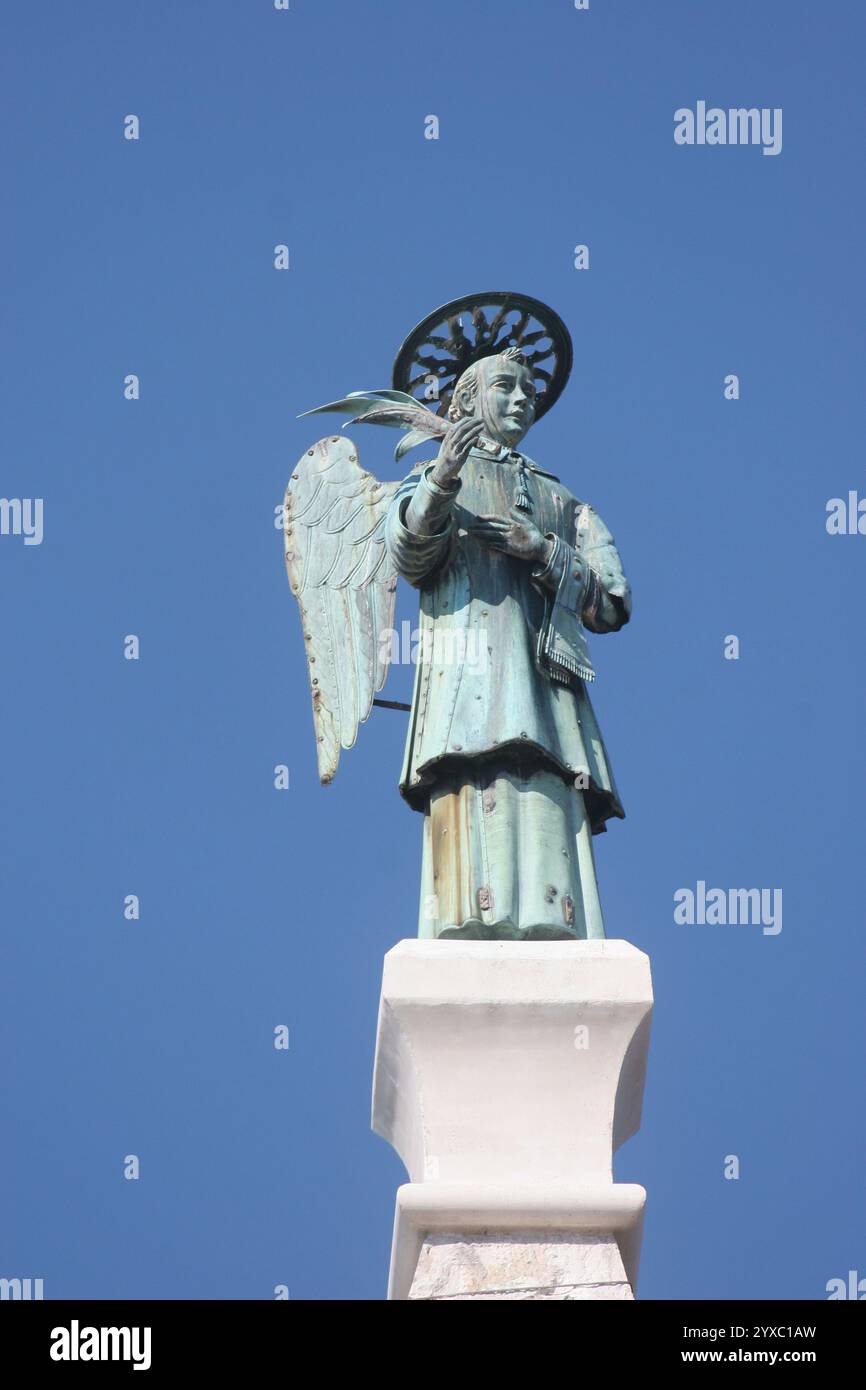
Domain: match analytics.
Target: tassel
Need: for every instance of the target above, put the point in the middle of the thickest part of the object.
(566, 663)
(523, 501)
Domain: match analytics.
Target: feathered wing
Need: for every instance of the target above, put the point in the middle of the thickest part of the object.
(341, 574)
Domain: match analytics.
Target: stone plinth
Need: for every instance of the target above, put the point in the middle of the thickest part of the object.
(507, 1074)
(544, 1265)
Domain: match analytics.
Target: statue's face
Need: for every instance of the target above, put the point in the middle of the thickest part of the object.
(506, 399)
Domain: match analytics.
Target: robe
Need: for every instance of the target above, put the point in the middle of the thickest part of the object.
(504, 756)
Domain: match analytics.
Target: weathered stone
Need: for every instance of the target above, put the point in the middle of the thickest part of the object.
(501, 1265)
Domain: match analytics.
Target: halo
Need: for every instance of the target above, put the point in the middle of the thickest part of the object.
(463, 331)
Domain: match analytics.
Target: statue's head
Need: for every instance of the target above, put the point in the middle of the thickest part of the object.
(501, 390)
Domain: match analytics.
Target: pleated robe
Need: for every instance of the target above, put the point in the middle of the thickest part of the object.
(504, 756)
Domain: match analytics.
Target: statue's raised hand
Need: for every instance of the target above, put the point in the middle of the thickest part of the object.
(455, 449)
(516, 535)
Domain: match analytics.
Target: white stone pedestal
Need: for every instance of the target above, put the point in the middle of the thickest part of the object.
(507, 1073)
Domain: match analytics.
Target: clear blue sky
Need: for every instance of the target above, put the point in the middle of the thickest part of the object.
(260, 907)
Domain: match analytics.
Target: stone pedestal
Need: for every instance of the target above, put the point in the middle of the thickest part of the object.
(507, 1074)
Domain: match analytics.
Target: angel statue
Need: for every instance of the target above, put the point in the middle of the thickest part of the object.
(504, 758)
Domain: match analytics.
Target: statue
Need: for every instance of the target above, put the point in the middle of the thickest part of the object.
(504, 757)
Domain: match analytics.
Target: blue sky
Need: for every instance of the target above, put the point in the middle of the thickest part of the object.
(155, 777)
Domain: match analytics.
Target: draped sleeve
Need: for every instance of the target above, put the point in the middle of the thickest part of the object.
(418, 527)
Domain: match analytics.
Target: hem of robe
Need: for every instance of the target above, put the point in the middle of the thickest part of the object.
(521, 756)
(507, 856)
(476, 930)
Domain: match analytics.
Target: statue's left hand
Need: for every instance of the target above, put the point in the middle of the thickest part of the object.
(516, 535)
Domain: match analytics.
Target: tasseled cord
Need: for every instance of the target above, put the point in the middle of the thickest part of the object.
(523, 501)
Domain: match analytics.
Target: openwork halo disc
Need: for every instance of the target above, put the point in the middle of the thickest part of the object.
(451, 338)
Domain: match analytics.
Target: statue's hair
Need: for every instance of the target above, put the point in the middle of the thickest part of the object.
(464, 393)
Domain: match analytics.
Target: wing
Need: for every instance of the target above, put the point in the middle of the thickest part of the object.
(341, 574)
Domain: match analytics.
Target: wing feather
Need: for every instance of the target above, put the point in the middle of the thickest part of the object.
(345, 585)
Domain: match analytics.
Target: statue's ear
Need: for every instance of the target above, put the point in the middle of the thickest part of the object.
(465, 396)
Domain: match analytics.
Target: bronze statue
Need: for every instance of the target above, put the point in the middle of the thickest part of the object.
(504, 757)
